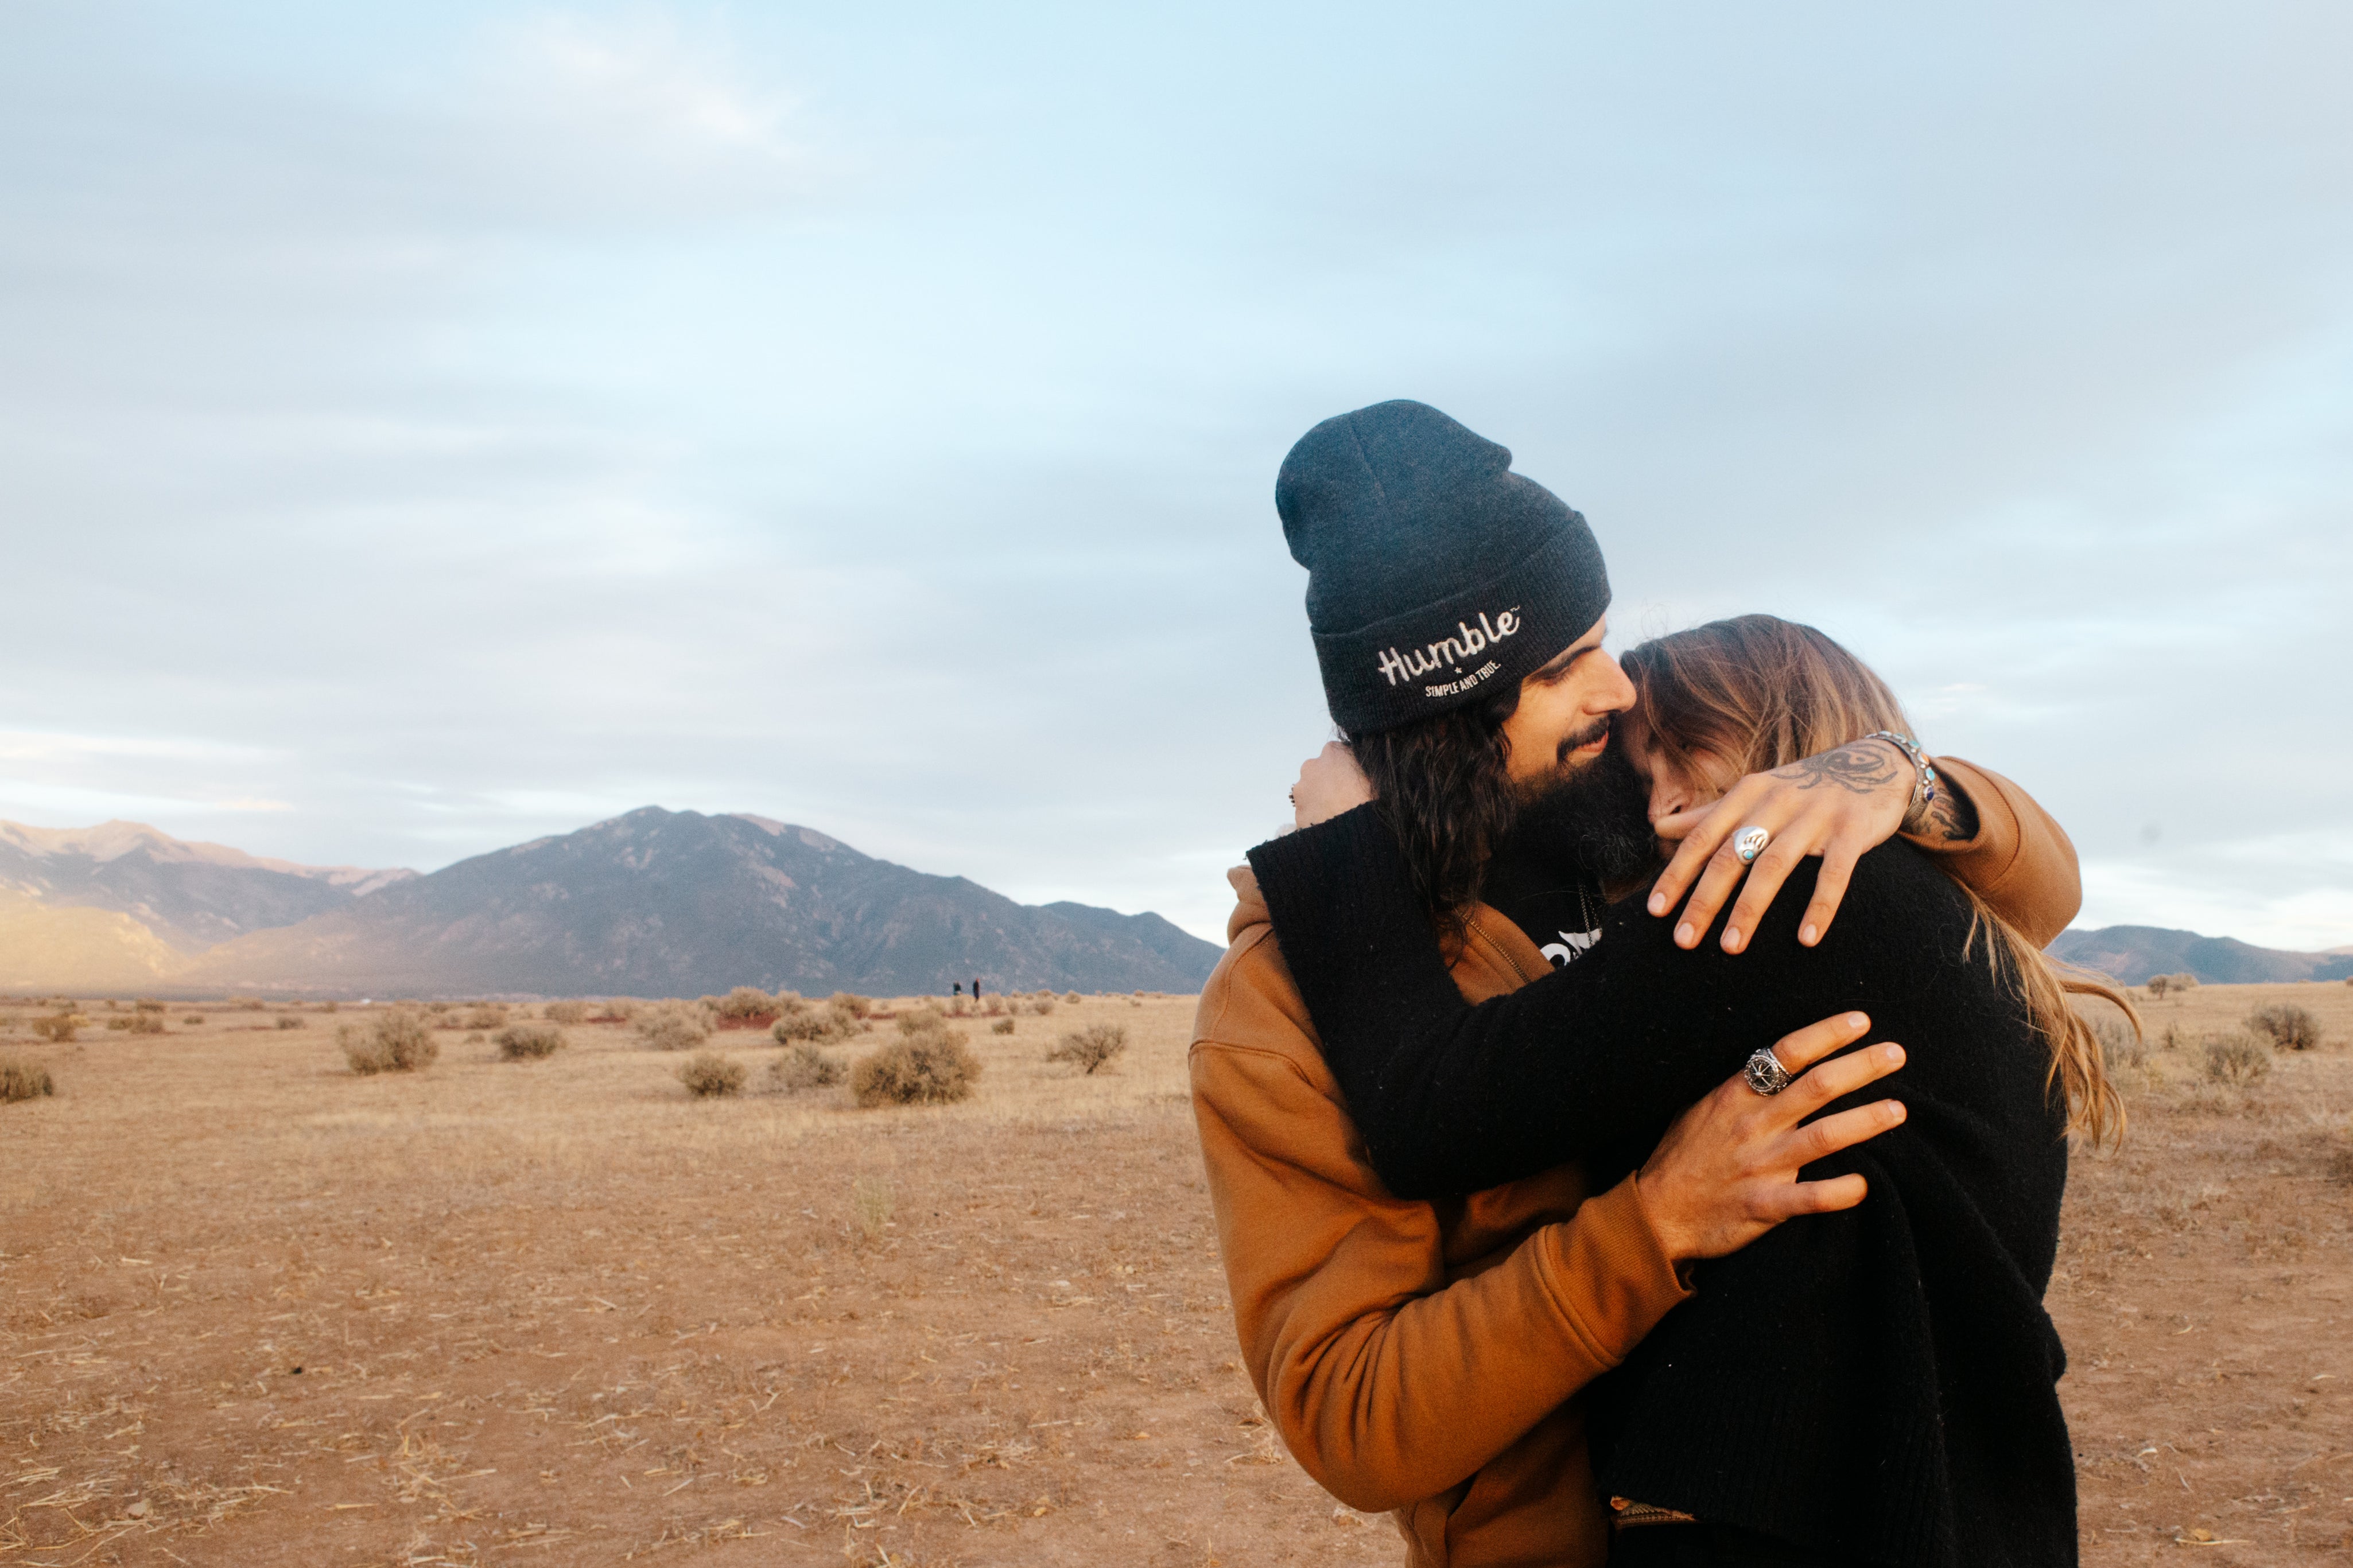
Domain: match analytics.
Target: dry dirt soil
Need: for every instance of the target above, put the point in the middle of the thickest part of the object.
(256, 1311)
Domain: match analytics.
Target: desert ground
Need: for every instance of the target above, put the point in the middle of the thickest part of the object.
(255, 1310)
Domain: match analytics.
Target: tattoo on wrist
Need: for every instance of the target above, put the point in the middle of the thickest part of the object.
(1950, 818)
(1863, 767)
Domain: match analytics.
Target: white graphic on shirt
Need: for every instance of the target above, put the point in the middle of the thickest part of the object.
(1571, 946)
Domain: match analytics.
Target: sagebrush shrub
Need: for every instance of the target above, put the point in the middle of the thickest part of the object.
(193, 1019)
(528, 1042)
(292, 1021)
(805, 1067)
(244, 1004)
(59, 1028)
(1091, 1048)
(398, 1041)
(924, 1020)
(1043, 1006)
(2120, 1046)
(2291, 1028)
(746, 1002)
(851, 1002)
(708, 1075)
(567, 1012)
(486, 1015)
(2237, 1057)
(148, 1005)
(21, 1078)
(922, 1067)
(814, 1026)
(675, 1028)
(1002, 1027)
(1071, 998)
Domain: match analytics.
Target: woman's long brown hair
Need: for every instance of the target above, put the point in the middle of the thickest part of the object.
(1760, 693)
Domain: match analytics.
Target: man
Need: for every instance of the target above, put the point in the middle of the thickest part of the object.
(1428, 1359)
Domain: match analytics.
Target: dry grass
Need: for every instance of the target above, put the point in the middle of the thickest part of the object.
(568, 1316)
(1091, 1050)
(2204, 1277)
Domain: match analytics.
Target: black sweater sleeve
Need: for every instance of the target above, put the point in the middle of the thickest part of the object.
(1589, 1062)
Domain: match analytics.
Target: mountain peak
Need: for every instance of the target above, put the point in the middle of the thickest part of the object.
(109, 841)
(2132, 954)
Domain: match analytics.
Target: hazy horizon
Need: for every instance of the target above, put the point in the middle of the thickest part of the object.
(429, 429)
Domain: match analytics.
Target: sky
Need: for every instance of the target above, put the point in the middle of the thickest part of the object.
(425, 428)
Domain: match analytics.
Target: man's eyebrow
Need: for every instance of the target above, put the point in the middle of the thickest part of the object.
(1558, 664)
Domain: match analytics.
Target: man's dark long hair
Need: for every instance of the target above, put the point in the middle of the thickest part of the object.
(1445, 790)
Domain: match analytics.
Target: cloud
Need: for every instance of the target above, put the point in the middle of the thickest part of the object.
(463, 425)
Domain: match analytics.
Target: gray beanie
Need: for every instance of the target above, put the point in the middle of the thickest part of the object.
(1436, 576)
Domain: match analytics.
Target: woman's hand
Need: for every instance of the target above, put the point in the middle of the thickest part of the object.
(1726, 1172)
(1330, 783)
(1838, 806)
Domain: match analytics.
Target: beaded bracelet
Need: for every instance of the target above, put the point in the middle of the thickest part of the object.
(1924, 791)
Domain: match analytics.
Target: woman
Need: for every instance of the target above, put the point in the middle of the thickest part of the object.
(1870, 1386)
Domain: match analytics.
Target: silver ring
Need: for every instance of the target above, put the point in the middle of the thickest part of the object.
(1749, 843)
(1766, 1074)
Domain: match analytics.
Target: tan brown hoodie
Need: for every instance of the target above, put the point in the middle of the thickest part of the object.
(1425, 1359)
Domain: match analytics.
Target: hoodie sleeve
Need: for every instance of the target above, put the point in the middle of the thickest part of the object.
(2021, 862)
(1385, 1381)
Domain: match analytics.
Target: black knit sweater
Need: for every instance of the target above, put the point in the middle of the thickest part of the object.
(1877, 1383)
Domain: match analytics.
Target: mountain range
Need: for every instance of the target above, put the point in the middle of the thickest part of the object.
(2132, 954)
(653, 902)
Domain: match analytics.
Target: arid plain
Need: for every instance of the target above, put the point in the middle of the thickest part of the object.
(255, 1310)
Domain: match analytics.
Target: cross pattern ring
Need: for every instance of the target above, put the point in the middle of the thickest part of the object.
(1766, 1074)
(1749, 843)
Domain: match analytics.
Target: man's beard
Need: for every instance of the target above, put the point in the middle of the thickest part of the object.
(1599, 816)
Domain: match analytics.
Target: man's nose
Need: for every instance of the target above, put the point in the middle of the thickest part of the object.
(1615, 694)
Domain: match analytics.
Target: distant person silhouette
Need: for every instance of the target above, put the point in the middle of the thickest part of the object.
(956, 989)
(975, 990)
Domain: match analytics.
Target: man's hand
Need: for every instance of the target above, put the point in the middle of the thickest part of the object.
(1330, 783)
(1848, 800)
(1726, 1172)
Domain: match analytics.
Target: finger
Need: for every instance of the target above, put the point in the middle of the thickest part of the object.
(1837, 1079)
(1766, 876)
(1827, 1196)
(1703, 832)
(1723, 874)
(1801, 1048)
(1676, 824)
(1830, 887)
(1821, 1140)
